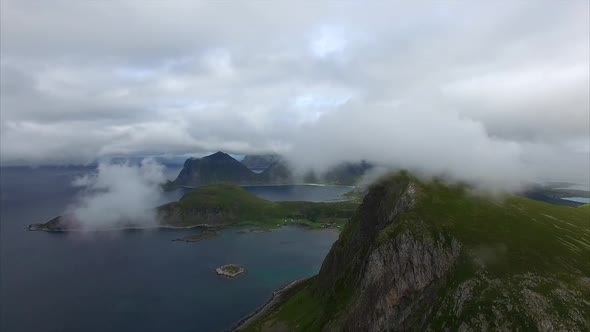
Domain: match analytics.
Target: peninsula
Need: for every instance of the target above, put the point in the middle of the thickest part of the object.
(222, 205)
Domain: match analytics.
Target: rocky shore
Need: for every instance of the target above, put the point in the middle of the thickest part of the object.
(275, 299)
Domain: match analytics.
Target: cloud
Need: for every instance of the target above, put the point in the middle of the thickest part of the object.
(483, 91)
(422, 138)
(118, 195)
(329, 41)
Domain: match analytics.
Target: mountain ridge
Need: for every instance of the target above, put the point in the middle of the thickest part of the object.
(434, 256)
(221, 167)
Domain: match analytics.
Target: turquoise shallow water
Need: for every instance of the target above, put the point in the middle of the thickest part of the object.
(133, 280)
(584, 200)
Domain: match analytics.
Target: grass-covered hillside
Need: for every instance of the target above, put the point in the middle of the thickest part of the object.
(224, 204)
(228, 204)
(431, 256)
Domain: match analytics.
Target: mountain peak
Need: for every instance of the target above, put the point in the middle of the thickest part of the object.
(217, 155)
(215, 168)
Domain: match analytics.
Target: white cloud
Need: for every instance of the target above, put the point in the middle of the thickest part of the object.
(480, 90)
(118, 195)
(328, 41)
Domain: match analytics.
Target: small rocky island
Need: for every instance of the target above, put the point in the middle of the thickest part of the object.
(230, 270)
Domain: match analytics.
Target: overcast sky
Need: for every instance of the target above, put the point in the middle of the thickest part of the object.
(498, 90)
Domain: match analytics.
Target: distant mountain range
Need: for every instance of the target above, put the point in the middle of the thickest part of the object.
(221, 167)
(218, 167)
(269, 169)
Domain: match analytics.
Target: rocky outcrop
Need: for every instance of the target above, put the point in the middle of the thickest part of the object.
(400, 277)
(230, 270)
(388, 265)
(57, 224)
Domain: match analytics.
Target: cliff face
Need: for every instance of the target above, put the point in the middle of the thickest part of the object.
(388, 277)
(432, 256)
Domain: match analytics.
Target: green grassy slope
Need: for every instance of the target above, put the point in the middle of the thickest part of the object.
(225, 204)
(523, 264)
(231, 204)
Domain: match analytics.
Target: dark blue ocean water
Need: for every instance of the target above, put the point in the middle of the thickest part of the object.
(136, 280)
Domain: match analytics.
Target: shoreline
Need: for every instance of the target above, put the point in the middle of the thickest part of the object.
(298, 184)
(280, 185)
(159, 227)
(268, 305)
(130, 228)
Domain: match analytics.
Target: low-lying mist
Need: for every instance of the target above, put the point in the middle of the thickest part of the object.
(117, 195)
(430, 141)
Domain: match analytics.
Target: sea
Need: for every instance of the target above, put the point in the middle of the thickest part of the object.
(139, 280)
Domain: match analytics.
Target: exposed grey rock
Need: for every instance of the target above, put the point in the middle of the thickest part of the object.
(394, 276)
(399, 277)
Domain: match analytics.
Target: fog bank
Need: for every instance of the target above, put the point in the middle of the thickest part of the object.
(117, 195)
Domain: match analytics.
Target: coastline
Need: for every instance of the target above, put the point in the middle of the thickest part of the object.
(206, 226)
(56, 227)
(298, 184)
(266, 307)
(157, 227)
(281, 185)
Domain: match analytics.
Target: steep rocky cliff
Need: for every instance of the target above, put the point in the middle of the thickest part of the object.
(431, 256)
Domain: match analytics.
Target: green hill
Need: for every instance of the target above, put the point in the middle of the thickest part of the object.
(431, 256)
(225, 204)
